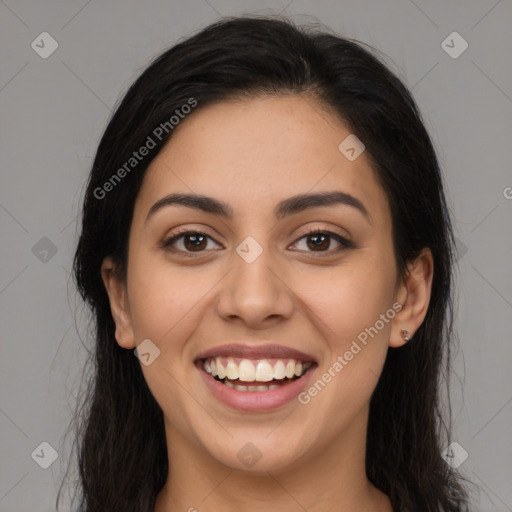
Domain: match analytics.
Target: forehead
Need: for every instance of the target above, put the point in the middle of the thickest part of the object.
(255, 152)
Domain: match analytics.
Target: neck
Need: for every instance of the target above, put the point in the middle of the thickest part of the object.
(331, 477)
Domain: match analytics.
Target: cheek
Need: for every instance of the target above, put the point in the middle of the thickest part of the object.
(348, 298)
(164, 301)
(352, 306)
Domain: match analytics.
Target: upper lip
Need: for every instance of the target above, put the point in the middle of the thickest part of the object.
(265, 351)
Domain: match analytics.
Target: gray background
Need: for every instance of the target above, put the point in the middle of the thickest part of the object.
(53, 112)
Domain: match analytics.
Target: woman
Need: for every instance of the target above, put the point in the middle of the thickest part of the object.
(265, 229)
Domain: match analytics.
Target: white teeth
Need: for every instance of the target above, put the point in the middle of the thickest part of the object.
(221, 371)
(279, 372)
(251, 370)
(290, 369)
(246, 371)
(232, 370)
(238, 387)
(264, 371)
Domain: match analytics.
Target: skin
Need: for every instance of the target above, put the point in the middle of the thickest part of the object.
(252, 155)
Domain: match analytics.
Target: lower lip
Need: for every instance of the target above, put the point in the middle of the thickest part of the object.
(255, 400)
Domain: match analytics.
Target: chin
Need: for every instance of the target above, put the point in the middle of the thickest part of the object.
(257, 456)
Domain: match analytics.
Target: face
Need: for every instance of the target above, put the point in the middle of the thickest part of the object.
(243, 279)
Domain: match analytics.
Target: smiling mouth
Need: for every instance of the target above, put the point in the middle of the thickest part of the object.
(255, 374)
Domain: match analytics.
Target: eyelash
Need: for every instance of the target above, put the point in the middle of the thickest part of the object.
(344, 242)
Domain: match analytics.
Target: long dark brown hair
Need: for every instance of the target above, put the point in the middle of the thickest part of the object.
(121, 446)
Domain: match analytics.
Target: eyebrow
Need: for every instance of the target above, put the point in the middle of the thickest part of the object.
(290, 206)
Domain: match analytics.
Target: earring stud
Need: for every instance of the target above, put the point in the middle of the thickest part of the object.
(406, 334)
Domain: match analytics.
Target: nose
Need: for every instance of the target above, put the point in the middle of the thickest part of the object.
(255, 293)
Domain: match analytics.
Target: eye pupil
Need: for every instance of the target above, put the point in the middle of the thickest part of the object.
(321, 244)
(198, 240)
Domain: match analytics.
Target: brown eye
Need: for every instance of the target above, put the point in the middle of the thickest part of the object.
(187, 242)
(194, 242)
(318, 241)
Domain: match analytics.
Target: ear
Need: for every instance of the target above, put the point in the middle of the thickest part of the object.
(116, 290)
(414, 295)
